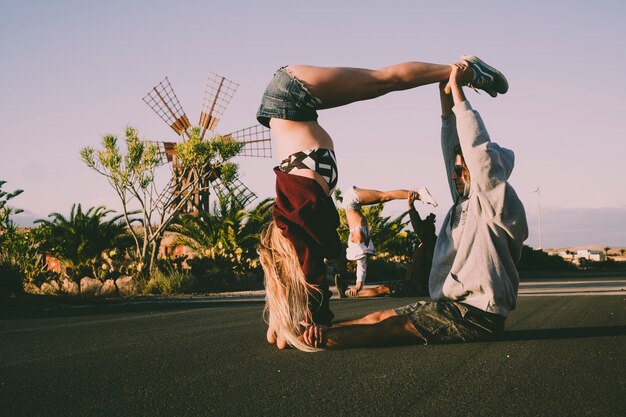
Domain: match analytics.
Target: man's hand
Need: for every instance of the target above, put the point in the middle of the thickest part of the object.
(411, 198)
(460, 75)
(314, 335)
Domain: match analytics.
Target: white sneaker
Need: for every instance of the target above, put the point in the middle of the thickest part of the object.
(424, 196)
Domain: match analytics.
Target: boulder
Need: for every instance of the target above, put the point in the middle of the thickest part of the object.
(31, 288)
(69, 287)
(126, 286)
(90, 286)
(50, 287)
(108, 289)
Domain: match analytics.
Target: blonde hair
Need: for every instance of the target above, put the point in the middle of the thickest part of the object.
(286, 289)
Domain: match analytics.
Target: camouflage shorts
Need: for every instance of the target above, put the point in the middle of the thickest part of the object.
(451, 322)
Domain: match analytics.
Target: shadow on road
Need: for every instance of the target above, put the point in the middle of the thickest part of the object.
(38, 312)
(563, 333)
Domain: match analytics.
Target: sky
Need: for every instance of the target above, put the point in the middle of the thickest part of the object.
(73, 71)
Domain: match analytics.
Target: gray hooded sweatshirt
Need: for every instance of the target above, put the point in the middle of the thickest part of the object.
(480, 241)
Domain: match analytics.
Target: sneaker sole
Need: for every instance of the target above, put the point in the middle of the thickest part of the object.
(473, 59)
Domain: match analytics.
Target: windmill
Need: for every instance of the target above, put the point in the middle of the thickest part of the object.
(217, 95)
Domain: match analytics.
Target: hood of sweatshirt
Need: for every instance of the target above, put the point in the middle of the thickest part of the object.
(506, 159)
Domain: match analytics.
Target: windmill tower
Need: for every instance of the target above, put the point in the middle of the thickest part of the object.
(217, 95)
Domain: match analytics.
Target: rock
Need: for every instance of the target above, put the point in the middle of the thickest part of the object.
(51, 287)
(70, 287)
(90, 286)
(31, 288)
(108, 289)
(126, 286)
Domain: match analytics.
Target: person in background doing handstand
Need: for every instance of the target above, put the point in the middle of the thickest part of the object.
(360, 243)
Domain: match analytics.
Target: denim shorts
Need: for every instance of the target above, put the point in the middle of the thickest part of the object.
(287, 98)
(451, 322)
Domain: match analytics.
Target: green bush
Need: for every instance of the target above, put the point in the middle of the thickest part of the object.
(538, 260)
(227, 237)
(80, 240)
(169, 282)
(11, 278)
(211, 276)
(607, 264)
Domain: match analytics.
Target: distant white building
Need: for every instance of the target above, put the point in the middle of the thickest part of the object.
(591, 255)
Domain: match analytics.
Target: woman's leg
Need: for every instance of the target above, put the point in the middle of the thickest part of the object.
(355, 220)
(337, 86)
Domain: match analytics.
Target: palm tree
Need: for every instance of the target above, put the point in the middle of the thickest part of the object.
(256, 220)
(79, 241)
(228, 234)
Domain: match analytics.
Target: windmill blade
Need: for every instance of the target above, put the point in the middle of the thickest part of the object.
(163, 101)
(167, 150)
(256, 139)
(236, 188)
(217, 94)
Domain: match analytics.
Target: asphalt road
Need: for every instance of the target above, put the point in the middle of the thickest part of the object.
(561, 355)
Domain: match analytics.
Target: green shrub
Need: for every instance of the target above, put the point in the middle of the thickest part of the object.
(606, 264)
(211, 275)
(80, 240)
(538, 260)
(11, 278)
(169, 282)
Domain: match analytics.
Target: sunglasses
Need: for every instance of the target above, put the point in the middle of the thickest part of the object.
(458, 170)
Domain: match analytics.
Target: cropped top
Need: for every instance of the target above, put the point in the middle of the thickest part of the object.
(320, 160)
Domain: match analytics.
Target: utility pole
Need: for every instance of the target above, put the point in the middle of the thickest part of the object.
(539, 212)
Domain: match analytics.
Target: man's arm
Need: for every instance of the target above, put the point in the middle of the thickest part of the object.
(416, 220)
(449, 135)
(423, 228)
(482, 157)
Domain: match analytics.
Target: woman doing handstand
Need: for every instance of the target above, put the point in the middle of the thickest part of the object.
(303, 231)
